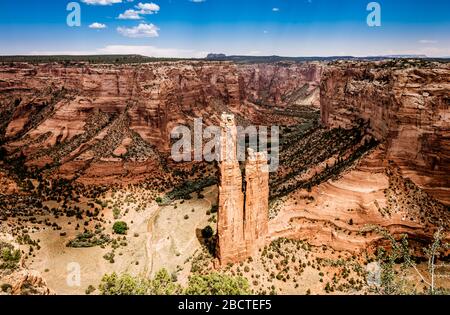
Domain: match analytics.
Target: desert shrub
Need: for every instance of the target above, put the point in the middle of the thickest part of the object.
(88, 239)
(164, 284)
(116, 213)
(3, 153)
(9, 257)
(126, 284)
(109, 257)
(214, 208)
(90, 289)
(207, 232)
(120, 227)
(217, 284)
(187, 188)
(123, 285)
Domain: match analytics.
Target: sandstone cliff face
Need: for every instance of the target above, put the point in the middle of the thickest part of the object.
(409, 111)
(94, 120)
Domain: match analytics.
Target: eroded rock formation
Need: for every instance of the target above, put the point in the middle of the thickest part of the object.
(230, 223)
(256, 201)
(242, 226)
(402, 184)
(408, 106)
(111, 123)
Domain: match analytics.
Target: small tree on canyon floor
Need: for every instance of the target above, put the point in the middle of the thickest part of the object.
(120, 227)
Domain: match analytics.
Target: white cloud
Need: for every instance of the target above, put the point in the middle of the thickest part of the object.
(197, 1)
(142, 30)
(97, 26)
(276, 9)
(140, 9)
(148, 8)
(130, 15)
(101, 2)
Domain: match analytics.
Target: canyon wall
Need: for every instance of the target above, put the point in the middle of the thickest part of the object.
(408, 106)
(102, 122)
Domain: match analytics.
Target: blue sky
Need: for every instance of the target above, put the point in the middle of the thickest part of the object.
(193, 28)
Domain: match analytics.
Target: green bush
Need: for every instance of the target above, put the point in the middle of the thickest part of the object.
(217, 284)
(9, 254)
(123, 285)
(120, 227)
(10, 257)
(126, 284)
(88, 239)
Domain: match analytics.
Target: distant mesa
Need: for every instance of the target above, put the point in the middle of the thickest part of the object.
(213, 56)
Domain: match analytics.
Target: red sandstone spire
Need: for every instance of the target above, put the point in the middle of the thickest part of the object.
(241, 231)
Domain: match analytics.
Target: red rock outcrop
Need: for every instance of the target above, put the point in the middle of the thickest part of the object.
(242, 226)
(28, 282)
(256, 216)
(408, 106)
(230, 222)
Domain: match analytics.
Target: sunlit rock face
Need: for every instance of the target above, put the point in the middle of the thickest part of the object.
(104, 121)
(230, 224)
(408, 106)
(242, 225)
(256, 201)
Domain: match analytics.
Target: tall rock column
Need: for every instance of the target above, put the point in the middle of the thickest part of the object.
(230, 226)
(256, 216)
